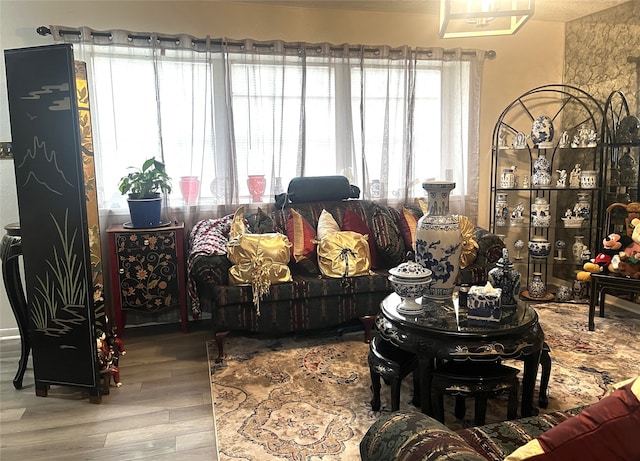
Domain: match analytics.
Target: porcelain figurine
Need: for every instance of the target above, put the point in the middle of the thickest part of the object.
(520, 140)
(564, 139)
(574, 177)
(517, 215)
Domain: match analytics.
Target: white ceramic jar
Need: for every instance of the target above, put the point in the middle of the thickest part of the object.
(588, 179)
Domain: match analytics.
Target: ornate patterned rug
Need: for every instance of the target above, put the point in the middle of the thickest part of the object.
(307, 398)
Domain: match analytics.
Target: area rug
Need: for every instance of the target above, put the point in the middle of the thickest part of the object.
(308, 397)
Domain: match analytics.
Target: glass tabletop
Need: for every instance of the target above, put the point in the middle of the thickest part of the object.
(446, 316)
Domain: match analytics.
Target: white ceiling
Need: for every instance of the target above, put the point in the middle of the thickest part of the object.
(545, 10)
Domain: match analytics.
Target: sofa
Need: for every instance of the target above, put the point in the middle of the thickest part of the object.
(606, 430)
(311, 300)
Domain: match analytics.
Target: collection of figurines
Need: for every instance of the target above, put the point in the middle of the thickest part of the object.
(110, 347)
(542, 133)
(542, 138)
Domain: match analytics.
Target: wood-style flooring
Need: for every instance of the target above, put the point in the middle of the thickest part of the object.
(162, 411)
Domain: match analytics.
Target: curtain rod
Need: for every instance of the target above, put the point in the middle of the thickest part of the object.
(44, 30)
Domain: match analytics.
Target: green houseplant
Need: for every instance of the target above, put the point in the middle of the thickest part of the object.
(144, 186)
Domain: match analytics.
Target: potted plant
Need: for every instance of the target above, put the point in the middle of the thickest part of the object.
(144, 186)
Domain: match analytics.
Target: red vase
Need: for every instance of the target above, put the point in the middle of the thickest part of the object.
(257, 184)
(190, 188)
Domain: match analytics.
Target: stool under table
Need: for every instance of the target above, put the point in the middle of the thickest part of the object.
(392, 364)
(480, 380)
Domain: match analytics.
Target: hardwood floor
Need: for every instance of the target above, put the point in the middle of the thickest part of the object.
(162, 411)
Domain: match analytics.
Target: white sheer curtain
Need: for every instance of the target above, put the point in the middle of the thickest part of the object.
(225, 110)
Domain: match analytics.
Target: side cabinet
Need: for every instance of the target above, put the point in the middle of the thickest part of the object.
(147, 271)
(55, 179)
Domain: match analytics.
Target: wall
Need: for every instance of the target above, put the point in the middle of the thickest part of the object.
(520, 65)
(597, 48)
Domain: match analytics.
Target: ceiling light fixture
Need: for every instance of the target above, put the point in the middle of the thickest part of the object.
(479, 18)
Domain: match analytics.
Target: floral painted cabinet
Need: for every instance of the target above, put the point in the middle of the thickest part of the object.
(148, 271)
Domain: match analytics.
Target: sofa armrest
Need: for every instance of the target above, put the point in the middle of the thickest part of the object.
(412, 436)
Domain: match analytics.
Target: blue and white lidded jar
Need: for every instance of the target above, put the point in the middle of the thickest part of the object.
(540, 212)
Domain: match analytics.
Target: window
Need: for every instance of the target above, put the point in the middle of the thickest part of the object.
(224, 111)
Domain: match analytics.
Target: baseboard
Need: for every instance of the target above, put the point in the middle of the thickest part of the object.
(623, 304)
(9, 333)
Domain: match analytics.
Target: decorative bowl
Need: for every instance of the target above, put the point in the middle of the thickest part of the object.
(410, 291)
(539, 247)
(573, 221)
(409, 288)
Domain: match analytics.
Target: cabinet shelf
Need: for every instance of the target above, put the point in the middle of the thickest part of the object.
(570, 110)
(550, 188)
(622, 159)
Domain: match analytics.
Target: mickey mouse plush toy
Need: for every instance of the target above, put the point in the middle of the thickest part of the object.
(612, 244)
(627, 262)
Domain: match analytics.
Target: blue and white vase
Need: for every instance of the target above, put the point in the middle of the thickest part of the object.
(502, 209)
(541, 176)
(537, 287)
(439, 240)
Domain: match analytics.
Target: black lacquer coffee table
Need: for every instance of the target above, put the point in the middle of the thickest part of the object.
(443, 332)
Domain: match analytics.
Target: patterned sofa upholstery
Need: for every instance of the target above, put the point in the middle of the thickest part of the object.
(310, 301)
(604, 430)
(412, 436)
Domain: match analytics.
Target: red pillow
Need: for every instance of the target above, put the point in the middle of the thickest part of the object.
(352, 221)
(606, 430)
(301, 234)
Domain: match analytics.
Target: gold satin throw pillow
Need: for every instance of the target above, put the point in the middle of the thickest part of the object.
(259, 260)
(238, 225)
(469, 243)
(344, 254)
(274, 247)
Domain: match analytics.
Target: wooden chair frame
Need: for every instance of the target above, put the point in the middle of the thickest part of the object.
(618, 217)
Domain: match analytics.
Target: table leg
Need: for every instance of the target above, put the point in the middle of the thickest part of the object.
(425, 365)
(531, 363)
(368, 321)
(603, 295)
(10, 250)
(593, 299)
